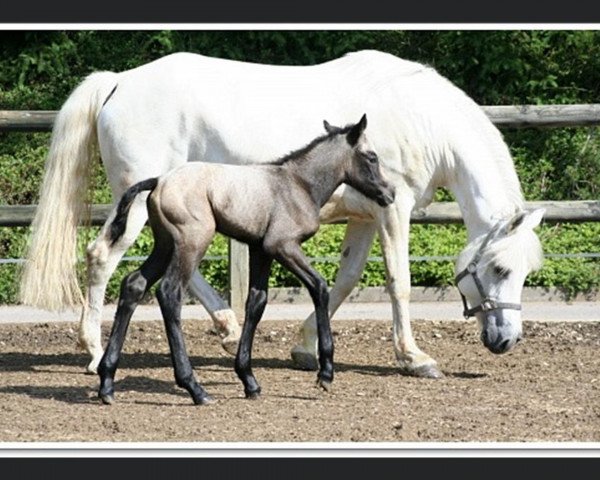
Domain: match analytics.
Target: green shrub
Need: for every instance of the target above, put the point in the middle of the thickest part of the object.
(39, 69)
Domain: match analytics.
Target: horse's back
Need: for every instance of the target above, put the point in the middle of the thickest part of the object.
(189, 107)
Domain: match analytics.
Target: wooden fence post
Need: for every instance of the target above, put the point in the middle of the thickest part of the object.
(238, 276)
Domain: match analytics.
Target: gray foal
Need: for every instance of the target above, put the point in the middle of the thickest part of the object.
(271, 207)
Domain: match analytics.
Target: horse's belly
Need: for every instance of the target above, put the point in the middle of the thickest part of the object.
(347, 203)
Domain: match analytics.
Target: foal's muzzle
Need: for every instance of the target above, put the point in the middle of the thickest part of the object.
(386, 197)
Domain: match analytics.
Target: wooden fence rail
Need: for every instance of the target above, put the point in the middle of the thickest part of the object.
(524, 116)
(509, 116)
(575, 211)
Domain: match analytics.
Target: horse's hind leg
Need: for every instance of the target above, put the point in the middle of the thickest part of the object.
(223, 317)
(102, 260)
(133, 288)
(260, 266)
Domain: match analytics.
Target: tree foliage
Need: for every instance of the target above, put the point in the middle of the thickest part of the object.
(38, 69)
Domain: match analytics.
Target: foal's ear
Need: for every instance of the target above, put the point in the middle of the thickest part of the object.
(357, 130)
(329, 128)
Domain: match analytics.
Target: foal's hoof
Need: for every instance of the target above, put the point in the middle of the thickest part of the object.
(107, 399)
(205, 400)
(324, 384)
(253, 395)
(303, 359)
(423, 371)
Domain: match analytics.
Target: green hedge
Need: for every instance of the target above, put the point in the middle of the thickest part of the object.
(39, 69)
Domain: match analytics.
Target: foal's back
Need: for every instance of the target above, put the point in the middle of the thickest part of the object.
(243, 202)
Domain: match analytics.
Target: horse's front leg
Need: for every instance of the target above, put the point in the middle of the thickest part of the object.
(102, 259)
(394, 230)
(355, 251)
(223, 317)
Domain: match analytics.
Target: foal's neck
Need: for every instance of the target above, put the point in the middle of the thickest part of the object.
(318, 174)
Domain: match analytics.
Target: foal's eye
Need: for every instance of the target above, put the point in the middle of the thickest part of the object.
(371, 157)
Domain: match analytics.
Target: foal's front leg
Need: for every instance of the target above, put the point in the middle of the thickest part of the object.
(291, 256)
(260, 267)
(355, 251)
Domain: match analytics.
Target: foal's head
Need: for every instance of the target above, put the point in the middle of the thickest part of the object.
(491, 271)
(363, 171)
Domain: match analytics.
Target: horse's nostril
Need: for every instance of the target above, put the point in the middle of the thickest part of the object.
(504, 345)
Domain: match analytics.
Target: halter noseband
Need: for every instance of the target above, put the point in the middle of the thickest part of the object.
(487, 304)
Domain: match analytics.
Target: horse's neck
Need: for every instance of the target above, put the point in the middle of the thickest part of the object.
(483, 198)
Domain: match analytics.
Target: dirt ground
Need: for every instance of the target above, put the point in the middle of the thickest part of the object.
(546, 390)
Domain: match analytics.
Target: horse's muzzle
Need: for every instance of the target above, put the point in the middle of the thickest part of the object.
(499, 344)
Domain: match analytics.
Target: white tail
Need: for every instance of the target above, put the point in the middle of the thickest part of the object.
(49, 277)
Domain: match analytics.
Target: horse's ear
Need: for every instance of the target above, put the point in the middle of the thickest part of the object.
(357, 130)
(534, 218)
(328, 127)
(529, 220)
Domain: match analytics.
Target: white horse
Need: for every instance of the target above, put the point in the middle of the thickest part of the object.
(185, 106)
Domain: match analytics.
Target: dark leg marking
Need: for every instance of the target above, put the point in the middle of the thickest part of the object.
(133, 288)
(169, 297)
(260, 267)
(292, 257)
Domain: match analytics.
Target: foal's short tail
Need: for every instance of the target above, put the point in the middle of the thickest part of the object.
(118, 225)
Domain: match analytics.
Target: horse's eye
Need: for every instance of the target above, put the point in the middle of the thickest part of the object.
(501, 272)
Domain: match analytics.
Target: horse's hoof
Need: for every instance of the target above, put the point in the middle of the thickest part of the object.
(230, 345)
(107, 399)
(92, 368)
(303, 359)
(423, 371)
(324, 384)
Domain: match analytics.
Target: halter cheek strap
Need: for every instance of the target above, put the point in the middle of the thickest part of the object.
(487, 304)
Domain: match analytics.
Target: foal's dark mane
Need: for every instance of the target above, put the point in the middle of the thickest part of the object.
(301, 152)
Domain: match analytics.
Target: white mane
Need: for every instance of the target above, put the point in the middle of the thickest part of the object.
(436, 122)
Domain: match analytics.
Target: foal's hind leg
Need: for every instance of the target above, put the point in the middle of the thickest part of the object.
(169, 296)
(260, 266)
(133, 288)
(102, 260)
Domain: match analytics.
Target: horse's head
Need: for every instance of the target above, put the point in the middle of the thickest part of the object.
(490, 273)
(363, 171)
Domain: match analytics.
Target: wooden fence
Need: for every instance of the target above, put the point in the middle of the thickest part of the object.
(538, 116)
